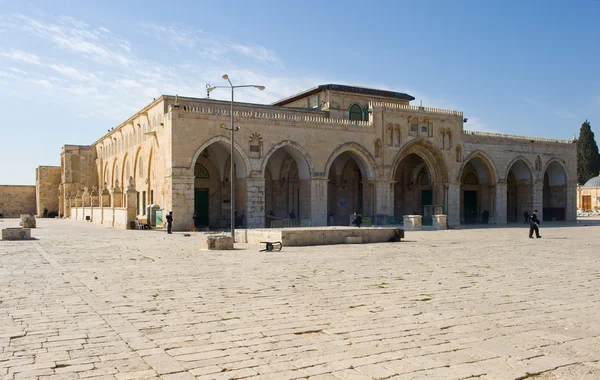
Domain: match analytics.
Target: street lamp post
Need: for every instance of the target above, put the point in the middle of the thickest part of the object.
(232, 129)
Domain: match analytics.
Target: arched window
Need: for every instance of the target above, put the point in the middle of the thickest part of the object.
(356, 113)
(471, 179)
(200, 172)
(458, 153)
(366, 113)
(140, 168)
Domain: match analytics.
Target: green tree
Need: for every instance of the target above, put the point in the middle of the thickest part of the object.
(588, 160)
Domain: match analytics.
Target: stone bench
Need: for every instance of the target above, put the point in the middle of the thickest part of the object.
(27, 221)
(16, 234)
(217, 242)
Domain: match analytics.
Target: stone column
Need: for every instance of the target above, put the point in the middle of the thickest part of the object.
(67, 205)
(318, 201)
(94, 197)
(453, 205)
(105, 197)
(384, 198)
(538, 199)
(131, 202)
(117, 196)
(182, 201)
(86, 204)
(501, 202)
(61, 202)
(255, 202)
(571, 211)
(78, 211)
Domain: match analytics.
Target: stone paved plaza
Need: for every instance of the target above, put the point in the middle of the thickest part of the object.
(86, 301)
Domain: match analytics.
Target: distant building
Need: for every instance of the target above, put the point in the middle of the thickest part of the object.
(588, 195)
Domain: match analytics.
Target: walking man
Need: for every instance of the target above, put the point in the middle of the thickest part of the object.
(169, 222)
(534, 222)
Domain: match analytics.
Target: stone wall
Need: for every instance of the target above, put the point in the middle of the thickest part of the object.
(47, 182)
(16, 200)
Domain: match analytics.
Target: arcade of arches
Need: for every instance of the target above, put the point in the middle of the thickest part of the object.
(418, 187)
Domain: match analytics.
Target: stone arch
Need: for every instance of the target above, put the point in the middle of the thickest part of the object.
(525, 162)
(559, 178)
(105, 175)
(555, 191)
(242, 162)
(430, 154)
(365, 160)
(485, 160)
(114, 175)
(302, 157)
(419, 173)
(136, 163)
(123, 174)
(477, 178)
(520, 178)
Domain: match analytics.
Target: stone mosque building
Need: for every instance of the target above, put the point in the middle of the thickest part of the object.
(311, 159)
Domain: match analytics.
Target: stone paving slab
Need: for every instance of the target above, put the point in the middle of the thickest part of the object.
(89, 302)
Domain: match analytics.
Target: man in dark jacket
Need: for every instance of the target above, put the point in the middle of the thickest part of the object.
(534, 222)
(169, 222)
(357, 219)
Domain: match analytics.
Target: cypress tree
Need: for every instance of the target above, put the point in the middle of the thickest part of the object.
(588, 160)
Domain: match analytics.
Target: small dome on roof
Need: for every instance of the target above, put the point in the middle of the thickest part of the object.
(593, 182)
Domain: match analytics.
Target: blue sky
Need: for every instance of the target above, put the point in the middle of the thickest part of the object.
(71, 70)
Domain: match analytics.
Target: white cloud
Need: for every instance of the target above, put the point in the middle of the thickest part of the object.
(18, 71)
(42, 82)
(22, 56)
(70, 72)
(209, 45)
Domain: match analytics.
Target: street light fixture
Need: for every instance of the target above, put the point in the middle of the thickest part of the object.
(232, 129)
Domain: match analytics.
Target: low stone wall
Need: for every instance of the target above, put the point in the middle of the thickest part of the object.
(108, 216)
(17, 200)
(316, 236)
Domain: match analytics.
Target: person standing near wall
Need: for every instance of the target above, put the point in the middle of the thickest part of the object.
(170, 222)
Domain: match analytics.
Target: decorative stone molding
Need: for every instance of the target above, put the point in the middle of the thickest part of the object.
(513, 137)
(256, 145)
(274, 116)
(406, 107)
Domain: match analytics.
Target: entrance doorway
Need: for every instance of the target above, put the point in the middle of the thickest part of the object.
(586, 202)
(470, 206)
(201, 207)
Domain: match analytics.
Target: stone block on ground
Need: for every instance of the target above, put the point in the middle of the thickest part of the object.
(16, 234)
(217, 242)
(412, 222)
(27, 221)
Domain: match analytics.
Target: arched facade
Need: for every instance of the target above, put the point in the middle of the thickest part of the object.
(317, 159)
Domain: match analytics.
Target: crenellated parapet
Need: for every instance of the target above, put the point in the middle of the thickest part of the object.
(273, 116)
(514, 137)
(406, 107)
